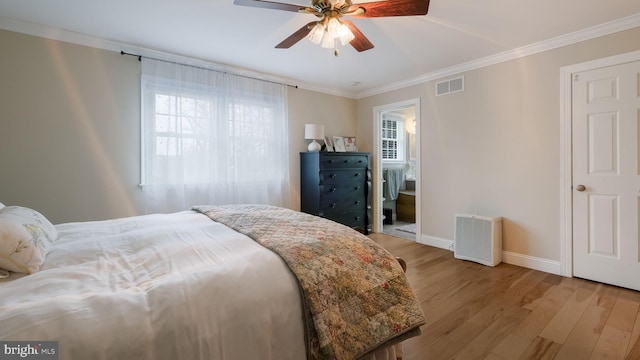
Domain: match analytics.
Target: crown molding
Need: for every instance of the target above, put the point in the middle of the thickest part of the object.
(105, 44)
(52, 33)
(68, 36)
(593, 32)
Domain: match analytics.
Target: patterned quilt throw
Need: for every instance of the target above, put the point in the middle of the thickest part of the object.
(356, 297)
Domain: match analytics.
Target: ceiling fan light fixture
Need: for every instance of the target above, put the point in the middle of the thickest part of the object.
(316, 33)
(327, 41)
(326, 33)
(344, 34)
(339, 31)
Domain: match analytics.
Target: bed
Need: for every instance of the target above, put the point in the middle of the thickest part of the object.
(214, 282)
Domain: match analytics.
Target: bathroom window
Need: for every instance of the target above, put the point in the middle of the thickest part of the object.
(393, 138)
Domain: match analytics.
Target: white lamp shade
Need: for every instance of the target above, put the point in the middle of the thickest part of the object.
(313, 132)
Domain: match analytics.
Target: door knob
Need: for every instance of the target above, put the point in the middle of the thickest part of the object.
(580, 188)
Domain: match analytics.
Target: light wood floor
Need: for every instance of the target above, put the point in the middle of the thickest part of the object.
(508, 312)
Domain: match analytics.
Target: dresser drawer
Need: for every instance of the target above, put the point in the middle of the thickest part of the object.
(354, 220)
(341, 176)
(344, 162)
(333, 207)
(345, 197)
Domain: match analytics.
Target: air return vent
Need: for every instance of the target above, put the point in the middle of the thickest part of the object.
(450, 86)
(479, 239)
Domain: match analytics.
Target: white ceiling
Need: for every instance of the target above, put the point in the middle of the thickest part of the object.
(454, 32)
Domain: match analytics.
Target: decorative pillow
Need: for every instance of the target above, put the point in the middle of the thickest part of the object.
(25, 237)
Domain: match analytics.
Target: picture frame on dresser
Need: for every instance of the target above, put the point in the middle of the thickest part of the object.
(338, 144)
(350, 144)
(328, 144)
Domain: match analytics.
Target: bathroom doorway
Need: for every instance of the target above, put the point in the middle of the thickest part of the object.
(396, 174)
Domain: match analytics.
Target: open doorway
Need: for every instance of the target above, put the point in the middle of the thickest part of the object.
(396, 170)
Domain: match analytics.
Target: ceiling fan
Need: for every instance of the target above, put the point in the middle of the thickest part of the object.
(331, 28)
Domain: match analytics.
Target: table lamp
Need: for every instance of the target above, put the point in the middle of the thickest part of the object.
(314, 132)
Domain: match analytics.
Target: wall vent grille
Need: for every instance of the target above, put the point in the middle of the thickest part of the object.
(450, 86)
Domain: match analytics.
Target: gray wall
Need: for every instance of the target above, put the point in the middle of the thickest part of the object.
(69, 142)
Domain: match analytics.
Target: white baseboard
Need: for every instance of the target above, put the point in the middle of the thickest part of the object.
(529, 262)
(436, 242)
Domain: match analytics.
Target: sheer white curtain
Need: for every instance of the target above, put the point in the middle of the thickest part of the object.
(211, 138)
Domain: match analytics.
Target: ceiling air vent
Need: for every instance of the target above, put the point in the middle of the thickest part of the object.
(450, 86)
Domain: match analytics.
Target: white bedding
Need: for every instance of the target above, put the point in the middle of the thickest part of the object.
(176, 286)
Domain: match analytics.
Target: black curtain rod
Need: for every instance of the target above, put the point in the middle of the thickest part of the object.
(204, 68)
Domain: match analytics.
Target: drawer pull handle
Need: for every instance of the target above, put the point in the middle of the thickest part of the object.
(331, 161)
(357, 187)
(357, 174)
(333, 175)
(333, 189)
(357, 202)
(346, 161)
(357, 218)
(333, 205)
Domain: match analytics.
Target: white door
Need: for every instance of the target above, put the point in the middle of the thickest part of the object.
(606, 174)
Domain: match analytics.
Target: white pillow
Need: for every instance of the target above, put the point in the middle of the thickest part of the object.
(25, 237)
(2, 206)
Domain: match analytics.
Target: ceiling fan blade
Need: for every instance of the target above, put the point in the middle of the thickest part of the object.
(272, 5)
(296, 36)
(391, 8)
(359, 42)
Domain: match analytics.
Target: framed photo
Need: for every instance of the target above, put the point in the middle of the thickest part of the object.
(328, 144)
(338, 144)
(350, 144)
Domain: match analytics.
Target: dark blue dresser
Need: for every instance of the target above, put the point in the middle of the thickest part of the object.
(337, 186)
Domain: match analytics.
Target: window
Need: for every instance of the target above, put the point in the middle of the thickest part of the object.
(393, 138)
(212, 138)
(185, 132)
(182, 136)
